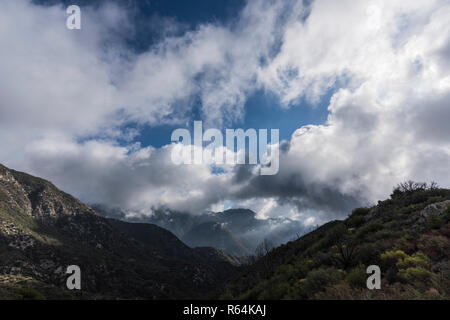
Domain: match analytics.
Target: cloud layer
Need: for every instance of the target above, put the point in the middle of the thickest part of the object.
(65, 98)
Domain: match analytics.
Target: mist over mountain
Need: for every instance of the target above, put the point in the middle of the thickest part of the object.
(236, 231)
(343, 99)
(407, 236)
(343, 95)
(43, 230)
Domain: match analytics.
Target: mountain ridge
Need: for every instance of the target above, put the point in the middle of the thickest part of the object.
(43, 230)
(236, 231)
(407, 236)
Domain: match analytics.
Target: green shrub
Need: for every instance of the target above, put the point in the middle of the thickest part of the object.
(339, 291)
(360, 212)
(369, 253)
(275, 292)
(354, 222)
(364, 231)
(285, 272)
(30, 294)
(303, 266)
(406, 243)
(415, 274)
(227, 295)
(385, 234)
(418, 259)
(393, 256)
(356, 218)
(317, 280)
(357, 277)
(435, 246)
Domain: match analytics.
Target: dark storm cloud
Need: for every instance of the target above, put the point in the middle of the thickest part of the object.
(290, 188)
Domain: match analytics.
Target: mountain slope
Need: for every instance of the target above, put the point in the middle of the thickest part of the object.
(407, 236)
(235, 231)
(213, 234)
(43, 230)
(163, 242)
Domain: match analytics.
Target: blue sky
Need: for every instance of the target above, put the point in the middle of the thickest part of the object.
(187, 14)
(152, 19)
(262, 110)
(378, 71)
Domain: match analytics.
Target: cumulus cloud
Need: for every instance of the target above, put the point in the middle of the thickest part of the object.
(386, 120)
(65, 97)
(138, 179)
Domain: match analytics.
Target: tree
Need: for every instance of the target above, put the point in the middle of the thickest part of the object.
(345, 245)
(410, 186)
(263, 254)
(263, 248)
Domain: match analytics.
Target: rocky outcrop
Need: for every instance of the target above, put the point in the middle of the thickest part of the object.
(435, 209)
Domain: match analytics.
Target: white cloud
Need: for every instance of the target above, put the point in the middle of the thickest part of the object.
(387, 122)
(383, 122)
(102, 172)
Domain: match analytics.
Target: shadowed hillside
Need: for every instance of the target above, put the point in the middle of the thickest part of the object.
(406, 235)
(236, 231)
(43, 230)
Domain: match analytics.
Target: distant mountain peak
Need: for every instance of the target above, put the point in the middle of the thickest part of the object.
(239, 211)
(43, 230)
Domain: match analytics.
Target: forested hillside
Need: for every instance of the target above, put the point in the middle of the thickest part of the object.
(407, 236)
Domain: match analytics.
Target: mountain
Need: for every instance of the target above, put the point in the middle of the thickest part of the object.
(163, 242)
(407, 236)
(235, 231)
(43, 230)
(214, 234)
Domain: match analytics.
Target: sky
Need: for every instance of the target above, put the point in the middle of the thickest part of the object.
(358, 89)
